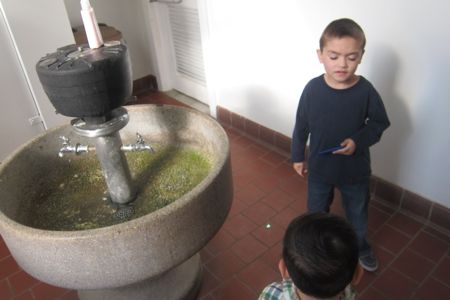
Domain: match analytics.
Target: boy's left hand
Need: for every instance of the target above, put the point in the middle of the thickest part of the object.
(349, 147)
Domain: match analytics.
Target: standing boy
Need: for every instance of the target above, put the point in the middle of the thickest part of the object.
(340, 109)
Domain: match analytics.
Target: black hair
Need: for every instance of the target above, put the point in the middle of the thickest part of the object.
(320, 251)
(343, 28)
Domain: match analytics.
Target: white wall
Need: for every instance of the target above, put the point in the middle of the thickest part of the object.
(264, 54)
(37, 28)
(129, 17)
(15, 129)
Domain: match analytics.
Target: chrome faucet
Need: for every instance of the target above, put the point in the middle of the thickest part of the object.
(69, 148)
(140, 145)
(77, 149)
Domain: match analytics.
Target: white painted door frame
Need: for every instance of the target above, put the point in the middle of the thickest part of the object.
(161, 41)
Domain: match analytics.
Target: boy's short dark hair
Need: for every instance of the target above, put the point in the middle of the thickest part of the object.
(343, 28)
(320, 252)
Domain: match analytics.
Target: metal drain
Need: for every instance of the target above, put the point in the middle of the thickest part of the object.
(124, 212)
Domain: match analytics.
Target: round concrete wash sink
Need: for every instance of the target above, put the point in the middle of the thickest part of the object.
(154, 256)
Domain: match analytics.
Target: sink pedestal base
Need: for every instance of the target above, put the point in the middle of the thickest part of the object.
(180, 283)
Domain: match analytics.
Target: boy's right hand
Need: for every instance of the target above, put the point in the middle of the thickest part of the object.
(300, 168)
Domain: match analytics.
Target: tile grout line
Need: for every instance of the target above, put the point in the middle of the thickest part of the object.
(403, 251)
(396, 255)
(430, 276)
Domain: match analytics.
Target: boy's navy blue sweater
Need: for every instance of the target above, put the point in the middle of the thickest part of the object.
(329, 116)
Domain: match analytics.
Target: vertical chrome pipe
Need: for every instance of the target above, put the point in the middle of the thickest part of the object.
(115, 168)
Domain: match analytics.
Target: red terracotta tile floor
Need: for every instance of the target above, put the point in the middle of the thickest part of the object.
(242, 258)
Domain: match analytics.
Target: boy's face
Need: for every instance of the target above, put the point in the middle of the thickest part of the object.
(341, 57)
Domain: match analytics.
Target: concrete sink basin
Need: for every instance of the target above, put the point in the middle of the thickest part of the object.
(151, 257)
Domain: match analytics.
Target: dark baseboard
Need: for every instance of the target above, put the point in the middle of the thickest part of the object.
(406, 201)
(274, 140)
(386, 193)
(145, 84)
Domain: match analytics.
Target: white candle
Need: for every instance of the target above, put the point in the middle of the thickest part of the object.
(93, 33)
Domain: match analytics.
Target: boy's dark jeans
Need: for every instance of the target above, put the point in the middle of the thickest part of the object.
(355, 199)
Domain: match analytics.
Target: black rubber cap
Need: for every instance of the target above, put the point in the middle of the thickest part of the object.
(83, 82)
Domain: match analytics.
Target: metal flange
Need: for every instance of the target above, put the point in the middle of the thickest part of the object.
(119, 119)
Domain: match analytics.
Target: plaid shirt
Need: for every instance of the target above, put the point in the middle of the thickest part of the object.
(286, 291)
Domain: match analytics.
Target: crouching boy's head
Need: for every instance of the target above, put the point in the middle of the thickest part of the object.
(320, 255)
